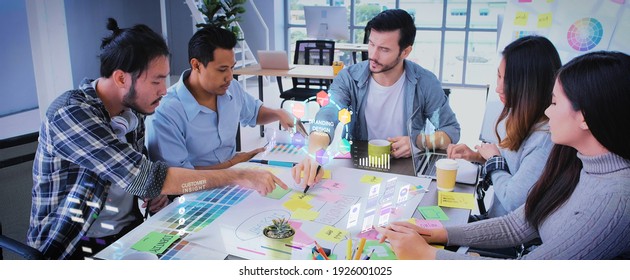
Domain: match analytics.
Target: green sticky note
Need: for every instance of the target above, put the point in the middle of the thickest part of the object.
(521, 18)
(155, 242)
(432, 213)
(278, 193)
(371, 179)
(382, 251)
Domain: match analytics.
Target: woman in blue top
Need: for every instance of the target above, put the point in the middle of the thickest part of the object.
(524, 84)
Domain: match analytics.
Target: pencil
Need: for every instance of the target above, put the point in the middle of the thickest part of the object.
(349, 250)
(360, 250)
(321, 250)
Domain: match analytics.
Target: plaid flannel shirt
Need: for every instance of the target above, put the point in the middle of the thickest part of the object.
(78, 158)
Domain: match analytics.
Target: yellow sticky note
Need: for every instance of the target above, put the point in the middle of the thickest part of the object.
(371, 179)
(456, 200)
(301, 196)
(332, 234)
(274, 171)
(441, 247)
(544, 20)
(521, 18)
(304, 214)
(549, 1)
(294, 204)
(326, 174)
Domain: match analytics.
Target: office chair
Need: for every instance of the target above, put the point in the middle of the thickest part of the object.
(308, 52)
(366, 39)
(25, 251)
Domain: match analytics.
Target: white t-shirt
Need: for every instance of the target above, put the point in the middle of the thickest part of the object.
(384, 109)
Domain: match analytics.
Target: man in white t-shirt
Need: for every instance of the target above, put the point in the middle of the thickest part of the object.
(385, 94)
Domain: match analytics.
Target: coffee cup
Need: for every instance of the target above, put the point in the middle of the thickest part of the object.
(446, 170)
(337, 66)
(379, 151)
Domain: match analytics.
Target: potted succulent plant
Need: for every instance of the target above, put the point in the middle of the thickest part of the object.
(222, 14)
(280, 229)
(278, 235)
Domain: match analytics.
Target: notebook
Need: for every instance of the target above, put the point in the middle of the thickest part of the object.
(273, 60)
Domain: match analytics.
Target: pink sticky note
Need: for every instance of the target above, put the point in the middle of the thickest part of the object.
(332, 185)
(620, 1)
(328, 196)
(429, 224)
(524, 1)
(371, 234)
(300, 236)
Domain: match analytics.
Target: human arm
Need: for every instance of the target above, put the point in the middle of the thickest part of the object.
(267, 115)
(511, 188)
(457, 151)
(238, 158)
(408, 242)
(181, 180)
(400, 146)
(308, 165)
(433, 106)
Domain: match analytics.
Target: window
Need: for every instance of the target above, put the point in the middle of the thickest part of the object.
(455, 39)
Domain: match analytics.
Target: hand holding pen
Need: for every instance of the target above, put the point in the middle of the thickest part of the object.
(311, 173)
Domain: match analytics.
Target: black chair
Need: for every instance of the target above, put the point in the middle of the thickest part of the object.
(308, 52)
(366, 39)
(25, 251)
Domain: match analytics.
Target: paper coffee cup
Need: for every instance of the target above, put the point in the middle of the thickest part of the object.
(446, 170)
(337, 66)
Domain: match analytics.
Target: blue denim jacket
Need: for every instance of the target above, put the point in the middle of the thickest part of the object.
(423, 95)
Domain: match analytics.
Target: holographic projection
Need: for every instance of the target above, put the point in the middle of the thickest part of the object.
(229, 221)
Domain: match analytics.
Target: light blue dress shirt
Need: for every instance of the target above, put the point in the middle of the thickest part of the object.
(184, 133)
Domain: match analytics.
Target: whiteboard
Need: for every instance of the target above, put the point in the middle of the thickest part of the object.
(574, 27)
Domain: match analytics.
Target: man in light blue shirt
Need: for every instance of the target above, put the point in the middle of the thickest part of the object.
(196, 124)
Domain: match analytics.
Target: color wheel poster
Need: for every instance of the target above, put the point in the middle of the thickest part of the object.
(575, 27)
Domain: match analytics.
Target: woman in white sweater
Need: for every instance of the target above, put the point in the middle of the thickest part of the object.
(580, 207)
(524, 83)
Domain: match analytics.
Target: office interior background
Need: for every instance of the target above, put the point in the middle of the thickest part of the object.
(51, 45)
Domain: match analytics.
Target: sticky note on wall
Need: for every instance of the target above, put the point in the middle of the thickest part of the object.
(521, 18)
(544, 20)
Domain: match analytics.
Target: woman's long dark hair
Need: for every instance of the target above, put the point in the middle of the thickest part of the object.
(531, 63)
(597, 85)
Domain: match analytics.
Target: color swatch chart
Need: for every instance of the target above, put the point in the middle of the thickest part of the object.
(285, 148)
(186, 214)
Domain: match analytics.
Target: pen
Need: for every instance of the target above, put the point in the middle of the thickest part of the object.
(360, 250)
(300, 128)
(274, 162)
(321, 250)
(146, 210)
(316, 172)
(369, 255)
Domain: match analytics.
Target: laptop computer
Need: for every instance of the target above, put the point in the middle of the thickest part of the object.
(274, 60)
(424, 164)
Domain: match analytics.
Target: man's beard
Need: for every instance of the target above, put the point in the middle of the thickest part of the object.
(386, 67)
(130, 99)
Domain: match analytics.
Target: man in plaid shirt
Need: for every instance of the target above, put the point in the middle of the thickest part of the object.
(91, 152)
